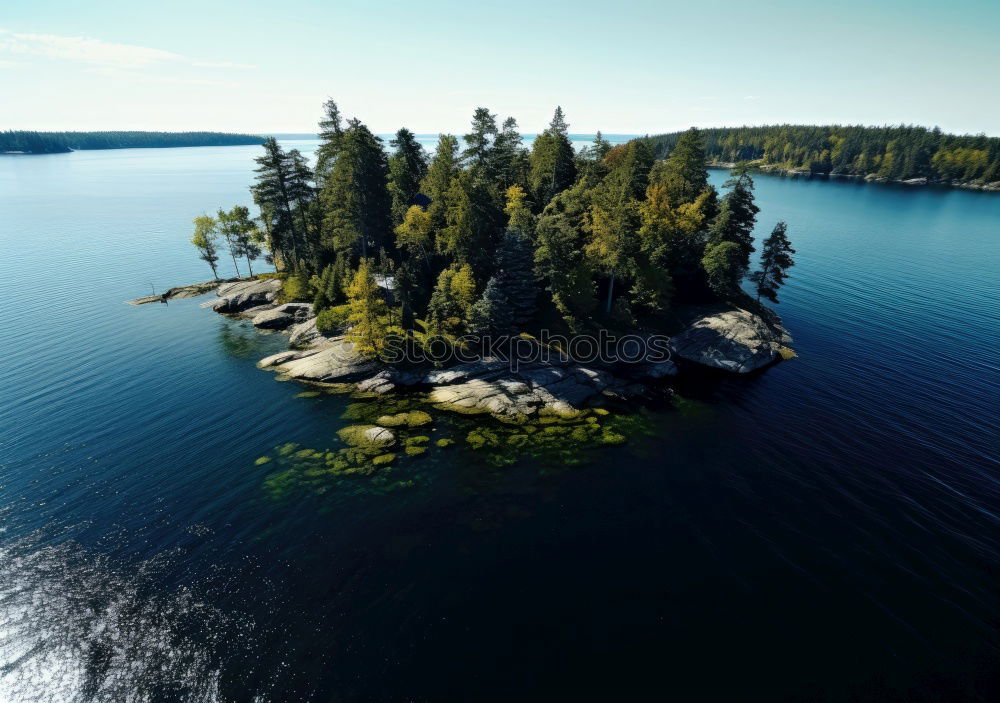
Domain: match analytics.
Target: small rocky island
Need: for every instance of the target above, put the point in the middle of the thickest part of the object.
(720, 336)
(540, 293)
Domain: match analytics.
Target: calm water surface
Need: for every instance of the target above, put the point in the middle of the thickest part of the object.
(826, 529)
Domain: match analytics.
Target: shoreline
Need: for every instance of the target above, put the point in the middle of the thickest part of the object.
(773, 169)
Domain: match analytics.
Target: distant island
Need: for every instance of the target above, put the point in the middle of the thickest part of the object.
(26, 142)
(905, 154)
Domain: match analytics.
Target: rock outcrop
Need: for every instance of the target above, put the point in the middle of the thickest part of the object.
(731, 339)
(283, 316)
(332, 362)
(192, 291)
(238, 296)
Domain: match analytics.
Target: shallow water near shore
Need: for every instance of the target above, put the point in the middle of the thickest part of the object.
(824, 529)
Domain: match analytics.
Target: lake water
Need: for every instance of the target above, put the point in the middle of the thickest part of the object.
(824, 530)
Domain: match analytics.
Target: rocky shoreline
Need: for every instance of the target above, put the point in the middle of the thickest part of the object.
(993, 187)
(721, 337)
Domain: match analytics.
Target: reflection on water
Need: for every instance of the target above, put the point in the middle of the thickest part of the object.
(75, 628)
(239, 339)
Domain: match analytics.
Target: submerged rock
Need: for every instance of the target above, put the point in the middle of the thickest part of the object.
(283, 316)
(731, 339)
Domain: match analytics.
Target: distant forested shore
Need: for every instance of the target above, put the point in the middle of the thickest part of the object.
(902, 153)
(25, 142)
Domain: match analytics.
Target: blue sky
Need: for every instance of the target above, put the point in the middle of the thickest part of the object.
(632, 66)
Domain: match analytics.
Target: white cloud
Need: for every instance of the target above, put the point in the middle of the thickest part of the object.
(96, 51)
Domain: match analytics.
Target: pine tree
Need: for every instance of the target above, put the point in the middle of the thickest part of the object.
(553, 164)
(355, 198)
(414, 234)
(509, 159)
(471, 222)
(443, 169)
(331, 135)
(735, 223)
(601, 146)
(479, 140)
(330, 289)
(204, 240)
(683, 173)
(516, 276)
(368, 312)
(722, 267)
(775, 260)
(407, 167)
(560, 261)
(281, 191)
(491, 314)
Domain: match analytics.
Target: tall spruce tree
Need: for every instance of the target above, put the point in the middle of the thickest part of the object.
(279, 191)
(734, 223)
(509, 157)
(367, 313)
(407, 168)
(553, 166)
(443, 168)
(491, 314)
(355, 198)
(479, 141)
(331, 135)
(775, 260)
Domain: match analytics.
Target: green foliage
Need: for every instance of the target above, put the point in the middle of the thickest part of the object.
(355, 198)
(296, 289)
(331, 284)
(900, 152)
(723, 267)
(443, 169)
(204, 242)
(491, 314)
(407, 167)
(452, 300)
(734, 223)
(553, 166)
(368, 311)
(62, 142)
(285, 196)
(333, 320)
(775, 260)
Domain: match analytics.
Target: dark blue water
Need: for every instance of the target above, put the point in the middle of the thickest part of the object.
(821, 531)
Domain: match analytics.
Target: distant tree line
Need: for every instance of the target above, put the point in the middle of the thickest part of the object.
(62, 142)
(893, 153)
(488, 237)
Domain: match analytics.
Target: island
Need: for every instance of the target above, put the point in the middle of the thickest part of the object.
(27, 142)
(901, 154)
(534, 288)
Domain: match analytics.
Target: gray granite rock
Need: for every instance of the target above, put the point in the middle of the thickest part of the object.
(283, 316)
(731, 339)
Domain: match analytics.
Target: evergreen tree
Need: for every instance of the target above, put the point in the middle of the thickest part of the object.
(509, 159)
(443, 169)
(471, 222)
(491, 314)
(452, 300)
(735, 222)
(722, 263)
(560, 260)
(516, 276)
(407, 167)
(601, 146)
(331, 135)
(479, 140)
(414, 234)
(204, 241)
(683, 173)
(332, 282)
(775, 260)
(282, 192)
(355, 198)
(553, 166)
(368, 313)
